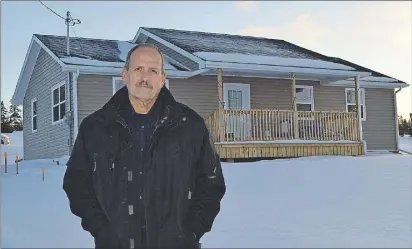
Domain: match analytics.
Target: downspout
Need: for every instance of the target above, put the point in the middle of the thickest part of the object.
(396, 120)
(75, 104)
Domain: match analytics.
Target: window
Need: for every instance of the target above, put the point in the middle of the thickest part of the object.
(34, 115)
(234, 99)
(58, 102)
(117, 84)
(304, 98)
(350, 101)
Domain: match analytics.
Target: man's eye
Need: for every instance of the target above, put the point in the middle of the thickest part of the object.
(154, 71)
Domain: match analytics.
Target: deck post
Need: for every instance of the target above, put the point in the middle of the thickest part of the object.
(221, 120)
(358, 109)
(295, 109)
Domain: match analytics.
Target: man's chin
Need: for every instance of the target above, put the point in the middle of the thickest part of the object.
(143, 97)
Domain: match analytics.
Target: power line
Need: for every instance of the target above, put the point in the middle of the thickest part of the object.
(52, 10)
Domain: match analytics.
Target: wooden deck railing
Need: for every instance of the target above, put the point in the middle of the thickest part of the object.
(268, 125)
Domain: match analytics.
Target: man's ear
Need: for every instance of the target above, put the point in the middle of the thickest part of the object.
(124, 75)
(164, 79)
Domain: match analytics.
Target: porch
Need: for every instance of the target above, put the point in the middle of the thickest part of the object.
(275, 133)
(268, 133)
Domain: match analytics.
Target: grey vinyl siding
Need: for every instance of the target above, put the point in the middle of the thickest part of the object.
(93, 92)
(175, 55)
(379, 130)
(201, 94)
(50, 141)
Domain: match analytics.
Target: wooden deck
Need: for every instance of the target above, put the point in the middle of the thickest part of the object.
(279, 134)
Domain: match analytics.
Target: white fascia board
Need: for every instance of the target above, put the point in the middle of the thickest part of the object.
(93, 70)
(27, 69)
(257, 67)
(118, 71)
(171, 46)
(367, 84)
(25, 73)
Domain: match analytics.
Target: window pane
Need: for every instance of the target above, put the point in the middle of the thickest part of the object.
(55, 113)
(34, 107)
(62, 93)
(235, 99)
(56, 96)
(361, 107)
(118, 85)
(62, 110)
(362, 97)
(350, 96)
(351, 108)
(34, 123)
(303, 95)
(304, 107)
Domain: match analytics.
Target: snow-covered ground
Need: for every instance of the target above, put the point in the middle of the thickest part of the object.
(307, 202)
(405, 143)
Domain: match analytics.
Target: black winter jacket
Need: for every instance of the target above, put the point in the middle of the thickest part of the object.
(183, 180)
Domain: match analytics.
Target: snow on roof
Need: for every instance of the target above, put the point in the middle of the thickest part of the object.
(92, 52)
(124, 48)
(194, 41)
(270, 60)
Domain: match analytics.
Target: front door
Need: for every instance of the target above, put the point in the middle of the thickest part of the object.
(237, 97)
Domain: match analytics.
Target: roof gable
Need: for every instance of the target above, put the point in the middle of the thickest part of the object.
(94, 53)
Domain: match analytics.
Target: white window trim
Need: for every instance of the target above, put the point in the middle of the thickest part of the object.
(362, 100)
(312, 102)
(59, 103)
(32, 116)
(114, 83)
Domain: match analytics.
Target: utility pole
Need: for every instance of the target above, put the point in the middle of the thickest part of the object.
(70, 21)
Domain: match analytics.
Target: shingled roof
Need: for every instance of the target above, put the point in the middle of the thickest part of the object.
(102, 50)
(195, 41)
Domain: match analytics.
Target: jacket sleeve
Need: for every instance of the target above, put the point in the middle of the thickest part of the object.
(209, 185)
(79, 188)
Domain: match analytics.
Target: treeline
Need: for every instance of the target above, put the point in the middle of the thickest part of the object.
(405, 127)
(11, 119)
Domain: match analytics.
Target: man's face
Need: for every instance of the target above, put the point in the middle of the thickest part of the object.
(145, 78)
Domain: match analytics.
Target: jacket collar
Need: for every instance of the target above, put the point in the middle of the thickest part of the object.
(165, 107)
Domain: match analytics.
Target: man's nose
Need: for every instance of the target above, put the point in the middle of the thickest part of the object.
(145, 75)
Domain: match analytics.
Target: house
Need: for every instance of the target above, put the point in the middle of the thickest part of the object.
(260, 97)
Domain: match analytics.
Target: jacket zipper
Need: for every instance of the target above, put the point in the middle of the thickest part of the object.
(152, 142)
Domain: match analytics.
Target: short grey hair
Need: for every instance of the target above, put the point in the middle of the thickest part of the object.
(144, 45)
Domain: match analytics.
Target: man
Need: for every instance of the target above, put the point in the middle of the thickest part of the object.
(143, 172)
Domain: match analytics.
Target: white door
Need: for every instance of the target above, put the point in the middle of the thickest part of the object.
(237, 97)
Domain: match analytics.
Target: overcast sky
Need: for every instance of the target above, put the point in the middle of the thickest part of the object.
(376, 35)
